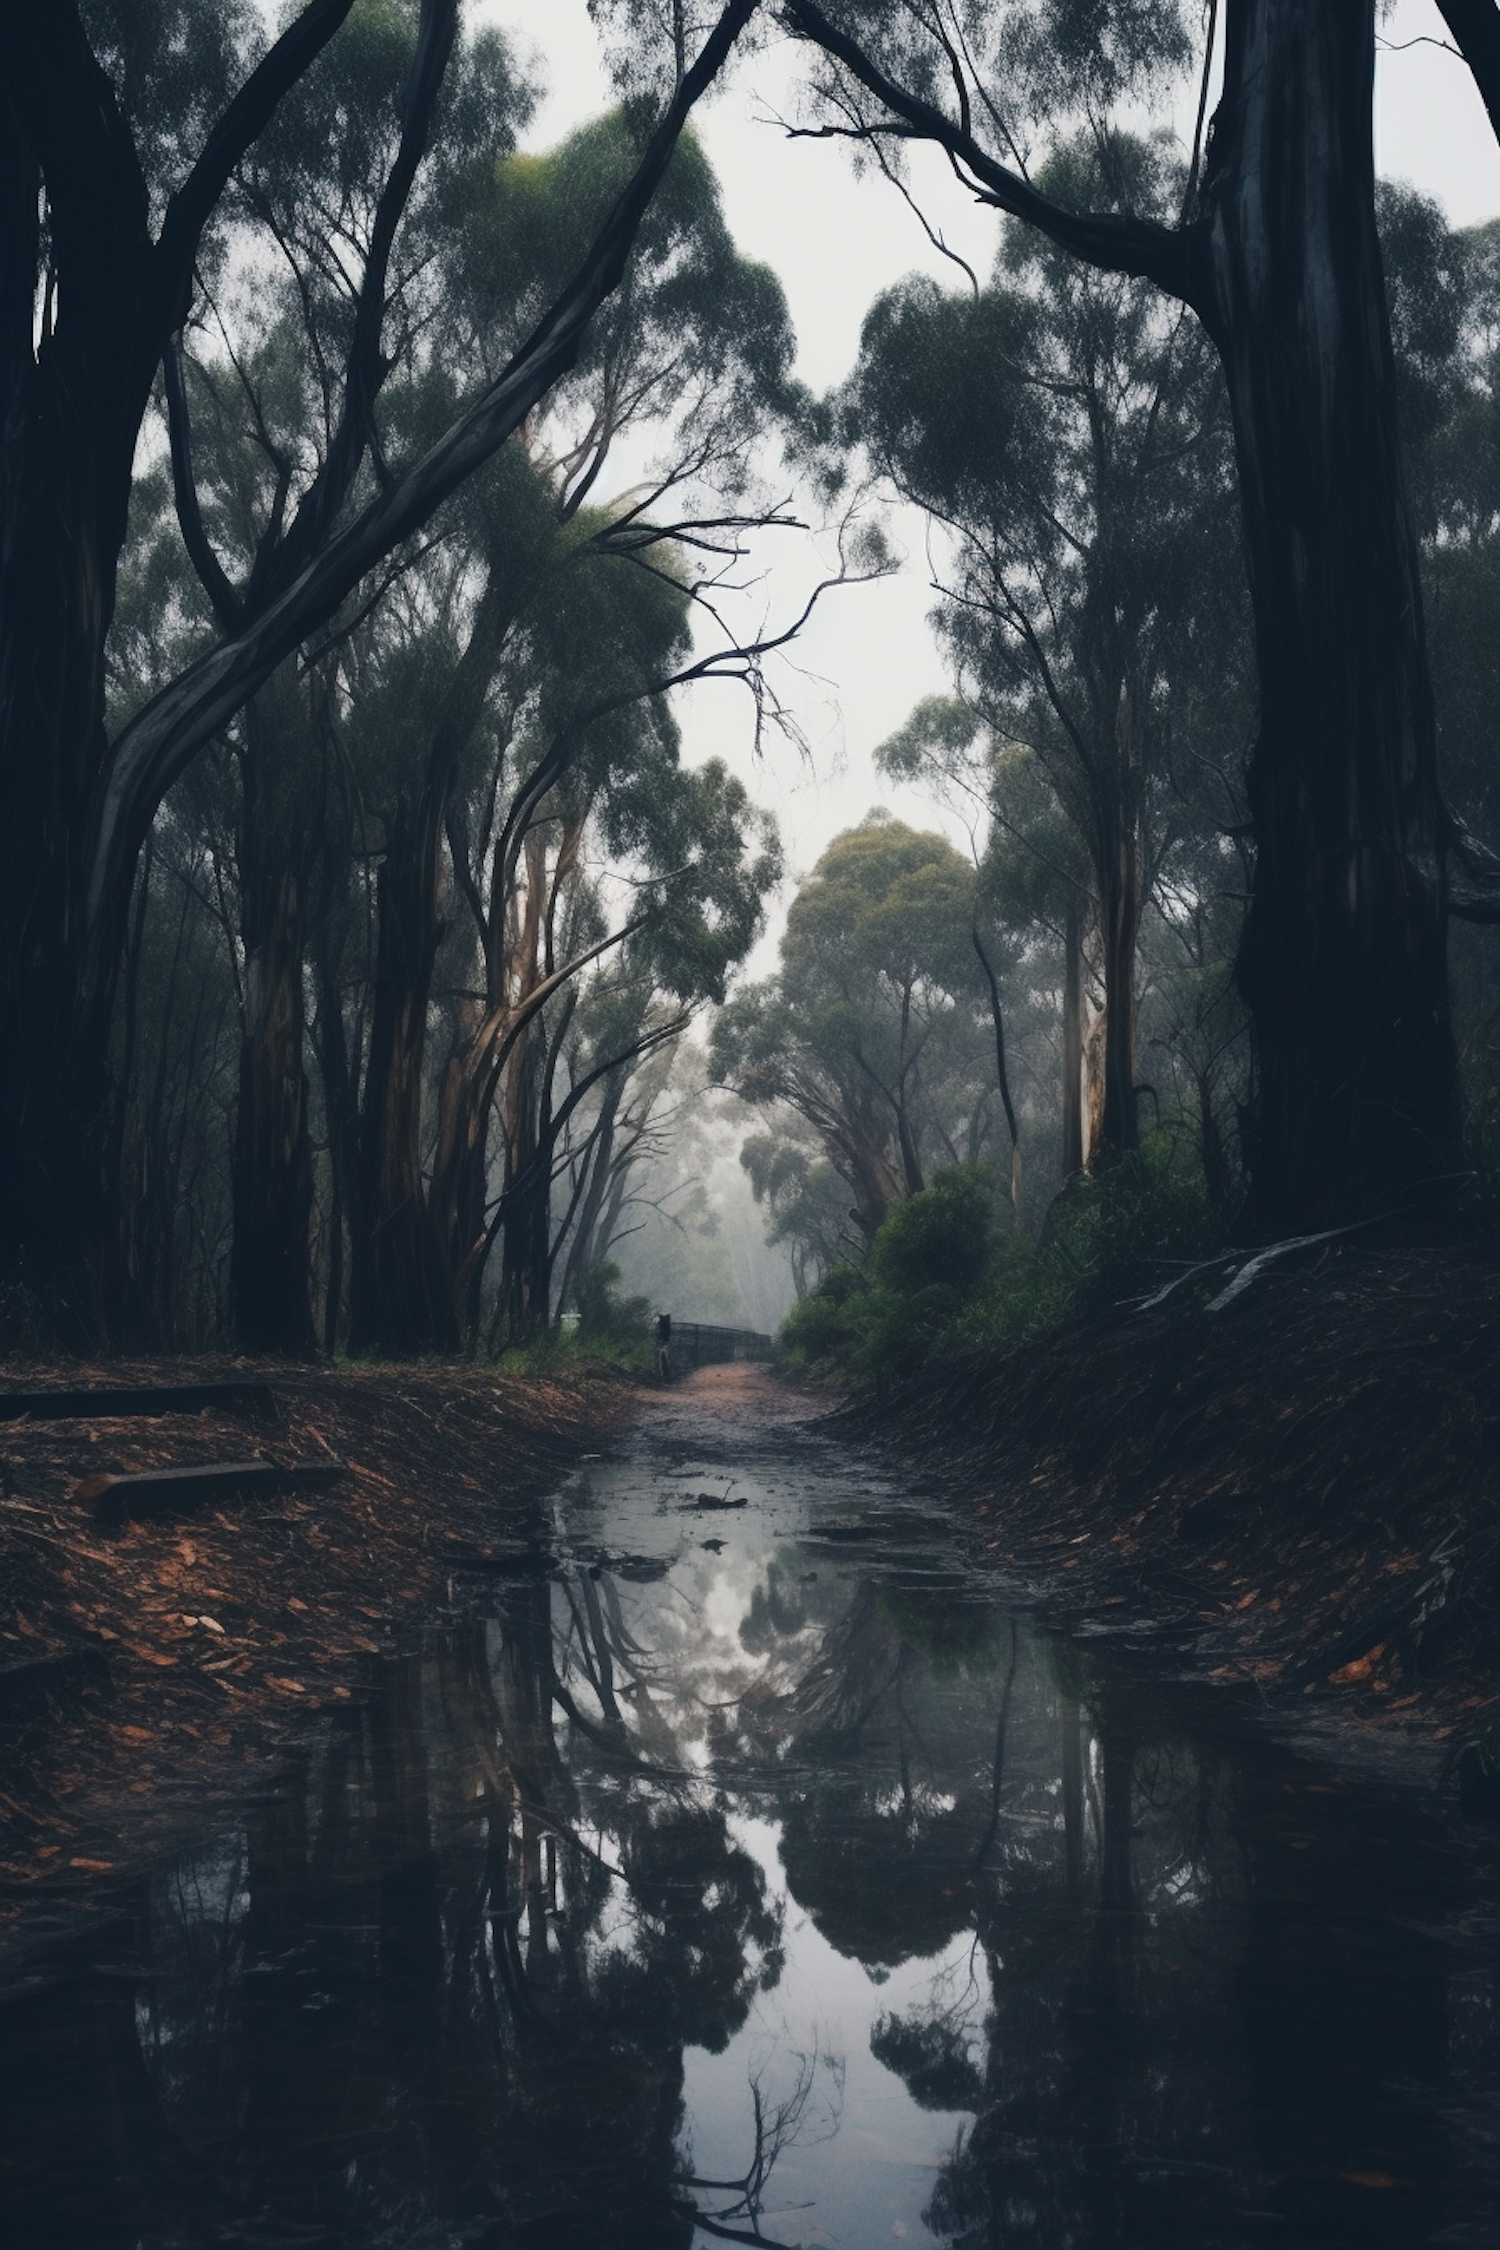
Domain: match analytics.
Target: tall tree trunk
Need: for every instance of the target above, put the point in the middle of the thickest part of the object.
(399, 1296)
(64, 485)
(272, 1172)
(1072, 1039)
(460, 1177)
(341, 1108)
(583, 1251)
(1343, 958)
(1119, 932)
(525, 1234)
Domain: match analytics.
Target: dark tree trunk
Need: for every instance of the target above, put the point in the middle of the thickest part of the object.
(341, 1107)
(272, 1172)
(399, 1295)
(583, 1250)
(66, 448)
(460, 1175)
(405, 1255)
(1343, 959)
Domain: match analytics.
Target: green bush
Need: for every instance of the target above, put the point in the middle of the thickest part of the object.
(946, 1237)
(1119, 1228)
(942, 1276)
(604, 1316)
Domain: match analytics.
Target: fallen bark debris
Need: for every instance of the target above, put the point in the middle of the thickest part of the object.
(220, 1631)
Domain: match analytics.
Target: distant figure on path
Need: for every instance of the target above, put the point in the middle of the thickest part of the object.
(664, 1346)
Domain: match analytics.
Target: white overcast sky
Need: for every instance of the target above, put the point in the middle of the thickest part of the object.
(835, 242)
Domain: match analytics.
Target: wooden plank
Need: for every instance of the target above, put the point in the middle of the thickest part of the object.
(257, 1402)
(154, 1492)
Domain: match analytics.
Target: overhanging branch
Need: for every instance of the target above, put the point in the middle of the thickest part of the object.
(1475, 25)
(1115, 243)
(169, 731)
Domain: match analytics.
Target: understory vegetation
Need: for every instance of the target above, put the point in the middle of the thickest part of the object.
(948, 1272)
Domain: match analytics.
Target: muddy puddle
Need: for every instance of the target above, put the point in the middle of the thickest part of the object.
(741, 1873)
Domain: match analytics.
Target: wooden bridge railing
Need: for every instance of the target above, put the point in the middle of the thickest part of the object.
(696, 1344)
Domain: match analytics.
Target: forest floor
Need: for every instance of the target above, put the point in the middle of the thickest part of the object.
(147, 1664)
(1296, 1495)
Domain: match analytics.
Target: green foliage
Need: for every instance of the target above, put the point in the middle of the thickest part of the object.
(605, 1314)
(610, 1333)
(942, 1277)
(945, 1237)
(1120, 1224)
(873, 1034)
(806, 1202)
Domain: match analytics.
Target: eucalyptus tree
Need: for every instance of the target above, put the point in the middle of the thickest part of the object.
(697, 864)
(694, 361)
(1342, 961)
(871, 1034)
(1066, 431)
(574, 836)
(123, 129)
(804, 1199)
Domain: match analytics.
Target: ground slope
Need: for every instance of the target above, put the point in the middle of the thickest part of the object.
(1298, 1492)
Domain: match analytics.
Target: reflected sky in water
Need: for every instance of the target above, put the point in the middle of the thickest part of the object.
(744, 1875)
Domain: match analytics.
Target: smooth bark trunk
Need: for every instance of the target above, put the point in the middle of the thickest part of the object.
(1072, 1041)
(399, 1296)
(271, 1163)
(1119, 932)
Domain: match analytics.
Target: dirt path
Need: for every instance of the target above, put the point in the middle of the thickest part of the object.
(197, 1648)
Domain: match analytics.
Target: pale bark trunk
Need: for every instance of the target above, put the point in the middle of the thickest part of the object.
(1072, 1041)
(1119, 932)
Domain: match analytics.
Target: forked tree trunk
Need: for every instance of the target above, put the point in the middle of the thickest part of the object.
(1343, 959)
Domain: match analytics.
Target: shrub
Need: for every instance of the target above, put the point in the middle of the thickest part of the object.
(603, 1314)
(945, 1237)
(942, 1278)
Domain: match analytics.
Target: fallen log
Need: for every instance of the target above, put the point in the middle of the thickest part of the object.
(257, 1402)
(152, 1492)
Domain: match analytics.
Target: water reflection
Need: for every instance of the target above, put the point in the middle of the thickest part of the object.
(744, 1893)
